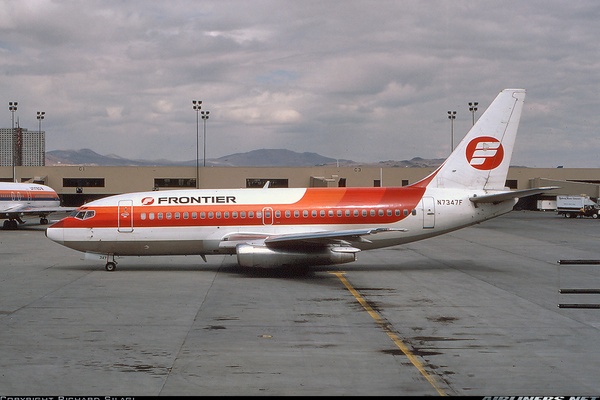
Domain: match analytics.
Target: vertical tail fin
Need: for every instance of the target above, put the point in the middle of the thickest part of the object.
(482, 158)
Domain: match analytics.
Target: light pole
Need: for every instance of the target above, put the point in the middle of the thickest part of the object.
(12, 107)
(473, 108)
(204, 118)
(40, 117)
(451, 117)
(197, 106)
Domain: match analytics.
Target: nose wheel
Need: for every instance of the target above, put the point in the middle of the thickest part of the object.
(112, 264)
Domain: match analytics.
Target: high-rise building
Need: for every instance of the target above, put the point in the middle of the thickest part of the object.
(21, 147)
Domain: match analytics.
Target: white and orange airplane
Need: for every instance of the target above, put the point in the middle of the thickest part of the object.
(272, 227)
(19, 200)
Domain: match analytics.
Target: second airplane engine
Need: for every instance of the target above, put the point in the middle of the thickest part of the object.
(264, 257)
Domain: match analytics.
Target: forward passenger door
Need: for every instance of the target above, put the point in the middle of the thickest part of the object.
(125, 217)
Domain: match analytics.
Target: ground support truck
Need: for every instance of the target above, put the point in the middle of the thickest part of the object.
(577, 206)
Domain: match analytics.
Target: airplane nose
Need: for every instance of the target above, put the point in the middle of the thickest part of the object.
(55, 234)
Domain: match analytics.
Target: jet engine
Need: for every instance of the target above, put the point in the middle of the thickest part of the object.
(261, 256)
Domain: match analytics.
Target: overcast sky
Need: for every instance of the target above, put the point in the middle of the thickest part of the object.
(362, 80)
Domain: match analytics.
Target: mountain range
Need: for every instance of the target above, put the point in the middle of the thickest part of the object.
(254, 158)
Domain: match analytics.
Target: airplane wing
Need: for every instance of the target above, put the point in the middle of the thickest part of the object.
(322, 238)
(329, 237)
(24, 209)
(503, 196)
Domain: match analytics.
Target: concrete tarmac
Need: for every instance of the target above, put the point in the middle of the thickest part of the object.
(475, 312)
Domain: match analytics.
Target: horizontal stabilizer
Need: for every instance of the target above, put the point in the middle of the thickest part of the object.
(514, 194)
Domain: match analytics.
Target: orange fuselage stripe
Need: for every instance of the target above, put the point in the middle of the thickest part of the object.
(393, 203)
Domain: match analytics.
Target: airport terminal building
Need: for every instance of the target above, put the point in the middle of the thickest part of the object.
(79, 184)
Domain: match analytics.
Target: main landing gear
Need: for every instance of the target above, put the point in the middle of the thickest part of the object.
(13, 223)
(10, 225)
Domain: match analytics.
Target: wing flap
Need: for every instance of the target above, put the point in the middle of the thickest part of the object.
(327, 237)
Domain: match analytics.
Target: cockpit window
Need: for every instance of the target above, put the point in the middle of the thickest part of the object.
(83, 214)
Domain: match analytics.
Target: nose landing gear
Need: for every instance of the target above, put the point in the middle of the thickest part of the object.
(111, 265)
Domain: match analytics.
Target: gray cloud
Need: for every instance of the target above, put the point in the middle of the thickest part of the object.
(362, 80)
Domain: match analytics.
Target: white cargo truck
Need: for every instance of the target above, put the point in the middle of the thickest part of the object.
(577, 206)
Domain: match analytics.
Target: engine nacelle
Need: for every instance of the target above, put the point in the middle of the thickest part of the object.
(264, 257)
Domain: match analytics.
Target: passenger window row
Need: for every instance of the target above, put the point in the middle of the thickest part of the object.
(278, 214)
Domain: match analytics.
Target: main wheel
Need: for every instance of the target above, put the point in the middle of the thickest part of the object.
(111, 266)
(10, 225)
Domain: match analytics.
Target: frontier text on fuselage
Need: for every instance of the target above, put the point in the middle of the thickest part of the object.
(197, 200)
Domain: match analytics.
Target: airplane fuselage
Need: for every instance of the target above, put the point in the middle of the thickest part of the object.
(184, 222)
(17, 194)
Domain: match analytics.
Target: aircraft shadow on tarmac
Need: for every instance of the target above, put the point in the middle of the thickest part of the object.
(296, 272)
